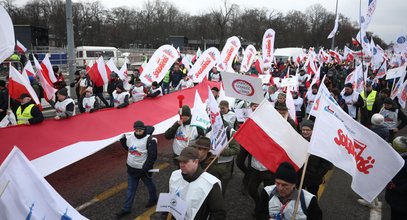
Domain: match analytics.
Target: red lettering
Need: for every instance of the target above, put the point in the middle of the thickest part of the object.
(160, 67)
(203, 67)
(268, 46)
(228, 55)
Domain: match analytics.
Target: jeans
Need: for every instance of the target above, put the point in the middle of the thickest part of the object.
(132, 181)
(166, 88)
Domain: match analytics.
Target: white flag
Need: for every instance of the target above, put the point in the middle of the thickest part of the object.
(333, 32)
(228, 53)
(7, 39)
(400, 46)
(28, 195)
(218, 137)
(396, 72)
(350, 146)
(268, 46)
(200, 117)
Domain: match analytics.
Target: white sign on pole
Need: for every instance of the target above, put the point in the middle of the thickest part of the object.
(173, 204)
(243, 87)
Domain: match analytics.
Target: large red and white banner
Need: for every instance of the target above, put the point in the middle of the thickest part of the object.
(229, 53)
(268, 47)
(248, 58)
(159, 64)
(271, 139)
(27, 195)
(204, 64)
(350, 146)
(243, 87)
(7, 39)
(52, 144)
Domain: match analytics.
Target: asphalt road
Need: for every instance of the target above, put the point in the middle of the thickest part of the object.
(101, 180)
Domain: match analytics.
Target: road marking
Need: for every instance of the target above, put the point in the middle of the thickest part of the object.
(326, 179)
(114, 190)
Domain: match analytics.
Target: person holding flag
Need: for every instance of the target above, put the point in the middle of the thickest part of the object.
(65, 106)
(392, 116)
(277, 201)
(28, 113)
(3, 99)
(182, 132)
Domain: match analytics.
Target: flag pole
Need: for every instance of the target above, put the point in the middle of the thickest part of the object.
(3, 188)
(336, 15)
(300, 187)
(218, 155)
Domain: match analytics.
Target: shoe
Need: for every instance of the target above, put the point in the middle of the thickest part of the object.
(151, 203)
(365, 203)
(122, 213)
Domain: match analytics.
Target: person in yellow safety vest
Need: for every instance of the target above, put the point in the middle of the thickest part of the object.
(369, 98)
(28, 113)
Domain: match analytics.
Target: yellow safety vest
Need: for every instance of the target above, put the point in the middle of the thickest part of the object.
(25, 115)
(370, 99)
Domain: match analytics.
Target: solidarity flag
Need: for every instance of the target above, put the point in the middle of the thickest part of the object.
(49, 90)
(7, 39)
(365, 20)
(27, 195)
(350, 146)
(18, 85)
(362, 38)
(204, 64)
(248, 58)
(268, 46)
(20, 47)
(381, 72)
(400, 46)
(159, 64)
(396, 72)
(271, 139)
(402, 95)
(242, 87)
(228, 53)
(218, 137)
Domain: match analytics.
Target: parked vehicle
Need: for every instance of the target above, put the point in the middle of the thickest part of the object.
(89, 54)
(288, 52)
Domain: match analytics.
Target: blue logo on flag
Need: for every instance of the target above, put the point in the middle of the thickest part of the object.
(401, 40)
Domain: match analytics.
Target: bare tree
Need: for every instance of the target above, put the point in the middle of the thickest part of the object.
(222, 17)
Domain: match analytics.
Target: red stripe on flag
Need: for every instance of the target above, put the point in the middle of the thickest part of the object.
(262, 146)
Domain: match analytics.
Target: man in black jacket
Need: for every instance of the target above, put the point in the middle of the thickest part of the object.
(142, 154)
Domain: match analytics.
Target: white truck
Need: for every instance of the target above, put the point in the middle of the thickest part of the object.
(89, 54)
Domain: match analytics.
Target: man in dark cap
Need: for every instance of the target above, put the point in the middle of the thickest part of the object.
(65, 106)
(120, 97)
(394, 119)
(182, 132)
(200, 190)
(28, 113)
(369, 97)
(155, 90)
(278, 201)
(142, 154)
(203, 145)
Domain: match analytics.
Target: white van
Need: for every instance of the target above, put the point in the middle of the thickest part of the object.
(285, 53)
(89, 54)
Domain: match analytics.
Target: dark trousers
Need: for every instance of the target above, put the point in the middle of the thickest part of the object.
(256, 178)
(132, 181)
(100, 95)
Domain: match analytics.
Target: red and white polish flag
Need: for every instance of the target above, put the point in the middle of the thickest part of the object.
(20, 47)
(271, 139)
(18, 85)
(49, 90)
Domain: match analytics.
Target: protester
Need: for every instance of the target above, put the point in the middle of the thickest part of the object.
(176, 75)
(203, 145)
(65, 106)
(28, 113)
(75, 83)
(90, 103)
(200, 190)
(368, 96)
(60, 83)
(352, 100)
(155, 90)
(182, 132)
(394, 119)
(139, 91)
(141, 149)
(227, 115)
(299, 107)
(165, 83)
(283, 110)
(271, 94)
(310, 98)
(112, 87)
(120, 97)
(379, 128)
(277, 201)
(214, 75)
(396, 190)
(84, 83)
(185, 83)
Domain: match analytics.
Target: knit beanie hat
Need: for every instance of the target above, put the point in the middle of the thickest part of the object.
(139, 125)
(63, 92)
(286, 172)
(307, 123)
(185, 111)
(349, 85)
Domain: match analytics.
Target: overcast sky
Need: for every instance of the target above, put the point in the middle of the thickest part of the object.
(389, 19)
